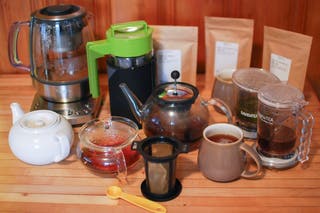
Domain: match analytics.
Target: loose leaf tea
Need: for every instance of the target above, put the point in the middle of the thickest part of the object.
(228, 44)
(176, 49)
(286, 54)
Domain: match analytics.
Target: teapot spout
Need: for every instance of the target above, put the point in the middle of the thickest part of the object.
(134, 103)
(17, 112)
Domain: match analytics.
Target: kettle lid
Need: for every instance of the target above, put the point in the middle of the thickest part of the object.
(59, 12)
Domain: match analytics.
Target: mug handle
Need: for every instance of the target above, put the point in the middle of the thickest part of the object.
(251, 174)
(222, 106)
(307, 121)
(64, 145)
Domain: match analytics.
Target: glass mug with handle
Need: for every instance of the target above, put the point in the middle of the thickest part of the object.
(284, 126)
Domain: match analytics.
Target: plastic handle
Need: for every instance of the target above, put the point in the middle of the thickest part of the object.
(64, 144)
(252, 174)
(222, 106)
(143, 203)
(306, 133)
(95, 50)
(13, 45)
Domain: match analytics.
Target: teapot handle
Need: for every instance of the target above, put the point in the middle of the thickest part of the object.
(64, 145)
(306, 132)
(222, 106)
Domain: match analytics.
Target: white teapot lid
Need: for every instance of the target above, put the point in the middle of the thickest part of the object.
(39, 119)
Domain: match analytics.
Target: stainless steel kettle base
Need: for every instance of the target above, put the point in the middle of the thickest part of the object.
(283, 162)
(76, 113)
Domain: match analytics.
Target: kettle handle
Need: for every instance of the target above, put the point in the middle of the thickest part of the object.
(13, 45)
(95, 50)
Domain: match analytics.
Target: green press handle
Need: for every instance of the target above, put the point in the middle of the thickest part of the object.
(95, 50)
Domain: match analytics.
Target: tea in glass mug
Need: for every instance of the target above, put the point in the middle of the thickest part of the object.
(284, 126)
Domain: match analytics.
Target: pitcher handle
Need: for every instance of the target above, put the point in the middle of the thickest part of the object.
(252, 174)
(222, 106)
(13, 45)
(120, 162)
(307, 121)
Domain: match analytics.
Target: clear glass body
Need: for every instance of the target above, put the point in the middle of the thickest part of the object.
(283, 124)
(57, 49)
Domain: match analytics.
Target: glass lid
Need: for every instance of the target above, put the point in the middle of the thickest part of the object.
(115, 132)
(176, 93)
(252, 79)
(281, 95)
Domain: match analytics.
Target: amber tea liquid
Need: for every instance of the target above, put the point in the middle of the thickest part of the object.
(276, 141)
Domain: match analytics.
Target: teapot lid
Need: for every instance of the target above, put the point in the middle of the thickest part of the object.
(114, 131)
(39, 120)
(176, 93)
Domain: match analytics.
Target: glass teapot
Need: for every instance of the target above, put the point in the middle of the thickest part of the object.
(174, 109)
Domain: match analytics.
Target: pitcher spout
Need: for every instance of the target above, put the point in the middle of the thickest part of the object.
(134, 103)
(17, 112)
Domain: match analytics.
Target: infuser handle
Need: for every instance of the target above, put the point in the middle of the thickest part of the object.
(307, 120)
(13, 45)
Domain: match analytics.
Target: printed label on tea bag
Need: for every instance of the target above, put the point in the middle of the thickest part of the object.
(226, 56)
(167, 61)
(280, 66)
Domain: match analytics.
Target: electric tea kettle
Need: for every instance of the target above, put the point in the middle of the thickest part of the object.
(175, 110)
(129, 47)
(58, 67)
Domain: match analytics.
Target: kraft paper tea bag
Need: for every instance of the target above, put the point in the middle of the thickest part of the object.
(176, 48)
(286, 54)
(228, 44)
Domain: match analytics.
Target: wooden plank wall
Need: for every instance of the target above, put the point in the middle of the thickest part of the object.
(300, 16)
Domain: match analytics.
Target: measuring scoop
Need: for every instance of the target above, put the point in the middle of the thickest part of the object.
(115, 192)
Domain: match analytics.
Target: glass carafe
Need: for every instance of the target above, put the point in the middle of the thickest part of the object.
(284, 126)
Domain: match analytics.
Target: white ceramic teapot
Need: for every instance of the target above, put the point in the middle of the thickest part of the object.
(39, 137)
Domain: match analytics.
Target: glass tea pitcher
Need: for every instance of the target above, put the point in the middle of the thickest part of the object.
(284, 127)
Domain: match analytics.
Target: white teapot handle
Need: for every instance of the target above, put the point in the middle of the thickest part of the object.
(64, 145)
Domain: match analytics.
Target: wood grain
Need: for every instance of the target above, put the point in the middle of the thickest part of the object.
(69, 186)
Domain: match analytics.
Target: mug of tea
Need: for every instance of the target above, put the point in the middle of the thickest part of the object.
(222, 154)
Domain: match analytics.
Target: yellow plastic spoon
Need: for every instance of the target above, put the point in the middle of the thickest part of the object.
(115, 192)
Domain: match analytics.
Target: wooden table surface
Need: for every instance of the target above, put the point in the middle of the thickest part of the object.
(69, 186)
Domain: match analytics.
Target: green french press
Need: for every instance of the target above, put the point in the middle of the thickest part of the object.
(130, 60)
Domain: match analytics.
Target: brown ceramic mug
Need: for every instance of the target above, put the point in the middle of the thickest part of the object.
(222, 154)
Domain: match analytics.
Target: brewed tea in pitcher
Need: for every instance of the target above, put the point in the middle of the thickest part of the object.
(284, 126)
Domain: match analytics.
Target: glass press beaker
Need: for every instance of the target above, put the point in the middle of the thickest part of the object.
(284, 126)
(246, 83)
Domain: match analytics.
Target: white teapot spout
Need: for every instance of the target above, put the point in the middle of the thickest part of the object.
(17, 112)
